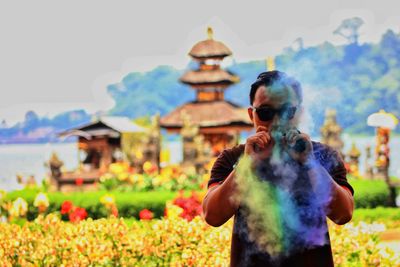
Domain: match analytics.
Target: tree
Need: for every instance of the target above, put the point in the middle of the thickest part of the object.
(349, 29)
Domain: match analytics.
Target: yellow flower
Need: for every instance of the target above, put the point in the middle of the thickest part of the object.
(41, 201)
(18, 208)
(136, 178)
(157, 180)
(166, 172)
(123, 176)
(147, 166)
(173, 211)
(118, 168)
(107, 200)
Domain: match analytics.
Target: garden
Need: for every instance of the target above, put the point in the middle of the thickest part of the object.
(155, 219)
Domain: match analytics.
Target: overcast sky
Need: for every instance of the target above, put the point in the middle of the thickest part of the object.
(61, 55)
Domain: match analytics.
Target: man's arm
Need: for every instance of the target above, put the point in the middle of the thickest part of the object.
(341, 205)
(219, 205)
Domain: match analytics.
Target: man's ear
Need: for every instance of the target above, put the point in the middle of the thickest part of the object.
(250, 112)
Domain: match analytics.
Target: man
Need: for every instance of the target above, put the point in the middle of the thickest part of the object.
(275, 109)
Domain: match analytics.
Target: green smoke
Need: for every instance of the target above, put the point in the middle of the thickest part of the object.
(264, 218)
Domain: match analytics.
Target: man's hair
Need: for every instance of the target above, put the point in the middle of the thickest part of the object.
(268, 78)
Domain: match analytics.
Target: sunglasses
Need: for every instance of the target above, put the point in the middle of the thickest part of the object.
(267, 113)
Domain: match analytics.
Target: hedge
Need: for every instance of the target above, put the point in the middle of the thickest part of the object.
(380, 214)
(129, 203)
(370, 193)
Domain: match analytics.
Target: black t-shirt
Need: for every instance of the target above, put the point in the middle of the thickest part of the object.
(245, 252)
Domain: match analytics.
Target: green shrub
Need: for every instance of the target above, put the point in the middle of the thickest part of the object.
(129, 203)
(376, 214)
(370, 193)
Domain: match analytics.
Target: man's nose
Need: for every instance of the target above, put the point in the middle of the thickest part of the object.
(276, 120)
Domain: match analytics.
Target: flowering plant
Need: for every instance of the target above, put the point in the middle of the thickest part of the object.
(48, 241)
(18, 208)
(146, 214)
(191, 206)
(75, 213)
(108, 201)
(172, 177)
(41, 202)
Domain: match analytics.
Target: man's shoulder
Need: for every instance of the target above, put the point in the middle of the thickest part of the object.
(319, 146)
(230, 156)
(225, 163)
(328, 157)
(323, 150)
(233, 152)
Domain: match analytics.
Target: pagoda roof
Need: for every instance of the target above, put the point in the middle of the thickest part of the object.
(207, 114)
(209, 77)
(209, 49)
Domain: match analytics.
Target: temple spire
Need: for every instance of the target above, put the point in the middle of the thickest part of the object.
(270, 62)
(210, 33)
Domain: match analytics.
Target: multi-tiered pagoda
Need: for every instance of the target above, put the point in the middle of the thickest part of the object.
(219, 121)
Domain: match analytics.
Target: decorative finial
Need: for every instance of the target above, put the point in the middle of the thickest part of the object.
(354, 152)
(210, 33)
(270, 63)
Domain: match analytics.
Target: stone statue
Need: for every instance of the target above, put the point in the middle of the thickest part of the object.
(330, 131)
(382, 153)
(55, 165)
(203, 154)
(354, 155)
(152, 143)
(369, 173)
(189, 131)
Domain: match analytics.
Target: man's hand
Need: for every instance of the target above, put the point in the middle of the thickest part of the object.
(299, 146)
(259, 146)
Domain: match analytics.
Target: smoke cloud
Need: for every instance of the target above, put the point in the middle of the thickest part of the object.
(283, 205)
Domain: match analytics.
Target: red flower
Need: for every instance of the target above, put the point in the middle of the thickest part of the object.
(66, 207)
(145, 214)
(79, 181)
(114, 211)
(165, 212)
(78, 214)
(191, 206)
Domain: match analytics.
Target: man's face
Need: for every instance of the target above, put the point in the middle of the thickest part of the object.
(266, 97)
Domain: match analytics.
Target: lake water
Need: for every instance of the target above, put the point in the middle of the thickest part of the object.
(29, 159)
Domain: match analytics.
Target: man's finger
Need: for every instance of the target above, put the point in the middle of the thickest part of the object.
(261, 129)
(264, 136)
(290, 137)
(259, 142)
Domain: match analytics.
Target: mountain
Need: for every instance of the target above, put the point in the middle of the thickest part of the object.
(40, 130)
(355, 79)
